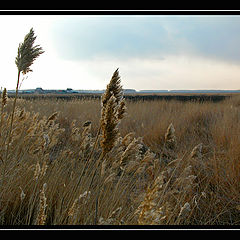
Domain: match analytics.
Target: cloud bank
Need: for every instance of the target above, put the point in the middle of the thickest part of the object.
(82, 37)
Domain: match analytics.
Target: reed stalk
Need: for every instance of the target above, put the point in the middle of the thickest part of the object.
(27, 53)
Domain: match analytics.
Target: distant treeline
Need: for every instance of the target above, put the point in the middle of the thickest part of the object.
(184, 98)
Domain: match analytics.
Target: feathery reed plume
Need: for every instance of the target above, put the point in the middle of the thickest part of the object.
(41, 218)
(109, 126)
(200, 166)
(130, 153)
(113, 88)
(113, 110)
(169, 153)
(114, 94)
(128, 138)
(52, 117)
(27, 53)
(170, 138)
(121, 109)
(197, 152)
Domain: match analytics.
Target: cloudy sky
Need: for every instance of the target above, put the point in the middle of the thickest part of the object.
(151, 51)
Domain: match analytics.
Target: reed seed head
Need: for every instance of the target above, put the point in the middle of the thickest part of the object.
(113, 110)
(170, 137)
(113, 88)
(197, 151)
(109, 126)
(52, 117)
(121, 109)
(27, 53)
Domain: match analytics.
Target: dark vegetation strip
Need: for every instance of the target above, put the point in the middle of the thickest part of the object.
(184, 98)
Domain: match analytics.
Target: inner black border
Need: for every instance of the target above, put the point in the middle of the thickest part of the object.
(119, 12)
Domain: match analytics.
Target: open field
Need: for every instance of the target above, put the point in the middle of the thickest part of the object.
(172, 162)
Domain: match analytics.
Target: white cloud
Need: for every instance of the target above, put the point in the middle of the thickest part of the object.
(174, 72)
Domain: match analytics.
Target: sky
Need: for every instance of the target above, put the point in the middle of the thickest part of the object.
(152, 52)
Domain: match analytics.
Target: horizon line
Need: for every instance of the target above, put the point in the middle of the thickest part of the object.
(124, 89)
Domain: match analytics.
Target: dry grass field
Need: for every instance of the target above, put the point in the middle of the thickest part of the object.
(162, 162)
(113, 161)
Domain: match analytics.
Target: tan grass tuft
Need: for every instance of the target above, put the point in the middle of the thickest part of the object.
(132, 152)
(37, 171)
(52, 117)
(197, 152)
(170, 138)
(185, 210)
(75, 208)
(164, 198)
(112, 219)
(41, 218)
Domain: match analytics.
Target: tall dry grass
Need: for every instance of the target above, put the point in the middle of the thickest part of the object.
(118, 162)
(172, 163)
